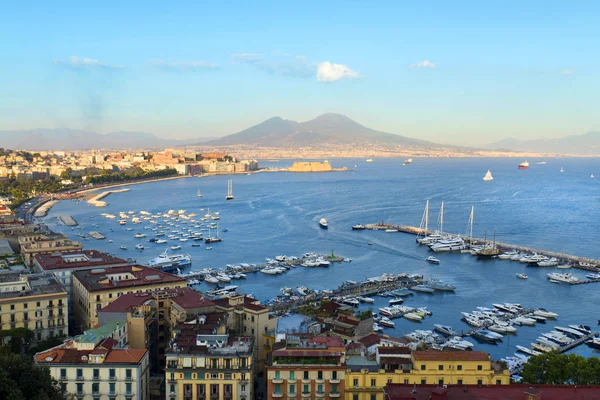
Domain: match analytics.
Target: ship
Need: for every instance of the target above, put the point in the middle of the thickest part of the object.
(524, 165)
(323, 223)
(408, 161)
(166, 262)
(369, 160)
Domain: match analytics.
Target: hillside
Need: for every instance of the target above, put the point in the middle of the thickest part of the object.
(585, 144)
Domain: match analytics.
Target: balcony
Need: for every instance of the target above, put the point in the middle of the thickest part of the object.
(321, 381)
(172, 395)
(320, 395)
(277, 380)
(336, 380)
(50, 306)
(79, 378)
(306, 380)
(306, 395)
(112, 378)
(334, 395)
(277, 395)
(96, 378)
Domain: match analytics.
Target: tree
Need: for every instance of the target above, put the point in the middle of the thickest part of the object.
(558, 369)
(21, 379)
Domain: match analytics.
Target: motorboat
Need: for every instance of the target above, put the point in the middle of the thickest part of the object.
(564, 266)
(502, 328)
(359, 227)
(139, 247)
(582, 328)
(160, 241)
(211, 279)
(365, 299)
(396, 301)
(542, 347)
(386, 322)
(524, 321)
(448, 245)
(413, 316)
(391, 230)
(445, 330)
(223, 277)
(507, 255)
(522, 276)
(176, 247)
(422, 288)
(432, 260)
(303, 290)
(552, 262)
(563, 277)
(139, 235)
(593, 276)
(545, 313)
(486, 335)
(123, 247)
(458, 343)
(524, 165)
(351, 302)
(574, 333)
(594, 343)
(323, 223)
(488, 176)
(528, 351)
(439, 285)
(377, 327)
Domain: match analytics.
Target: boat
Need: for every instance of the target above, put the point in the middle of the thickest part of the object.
(445, 330)
(574, 333)
(592, 176)
(323, 223)
(123, 247)
(448, 245)
(170, 262)
(176, 247)
(488, 176)
(439, 285)
(545, 313)
(423, 227)
(541, 163)
(199, 194)
(582, 328)
(211, 279)
(593, 276)
(160, 241)
(139, 235)
(485, 335)
(562, 277)
(562, 170)
(386, 322)
(432, 260)
(408, 161)
(564, 266)
(369, 160)
(208, 248)
(140, 247)
(370, 243)
(396, 301)
(422, 288)
(359, 227)
(502, 328)
(365, 299)
(522, 276)
(528, 351)
(351, 302)
(223, 277)
(594, 343)
(413, 316)
(391, 230)
(524, 165)
(552, 262)
(229, 190)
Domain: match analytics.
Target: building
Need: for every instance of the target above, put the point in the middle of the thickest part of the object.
(98, 369)
(203, 362)
(96, 288)
(493, 392)
(313, 368)
(37, 302)
(62, 266)
(39, 243)
(249, 318)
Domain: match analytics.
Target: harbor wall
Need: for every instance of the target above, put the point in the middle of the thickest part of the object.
(309, 166)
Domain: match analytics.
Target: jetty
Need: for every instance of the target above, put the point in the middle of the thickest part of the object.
(97, 235)
(97, 200)
(68, 220)
(576, 260)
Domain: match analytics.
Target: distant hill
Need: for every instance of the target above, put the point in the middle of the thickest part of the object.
(72, 139)
(585, 144)
(325, 129)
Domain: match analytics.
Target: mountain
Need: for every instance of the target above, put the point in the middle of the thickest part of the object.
(72, 139)
(585, 144)
(325, 129)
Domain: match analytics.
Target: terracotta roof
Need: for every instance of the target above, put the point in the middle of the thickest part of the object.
(125, 356)
(189, 298)
(435, 355)
(97, 279)
(95, 259)
(370, 340)
(60, 355)
(493, 392)
(127, 301)
(306, 353)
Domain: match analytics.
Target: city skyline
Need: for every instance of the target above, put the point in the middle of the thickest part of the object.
(463, 73)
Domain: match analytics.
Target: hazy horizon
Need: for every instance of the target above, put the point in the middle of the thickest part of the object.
(461, 73)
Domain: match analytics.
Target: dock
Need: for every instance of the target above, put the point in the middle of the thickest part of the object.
(97, 200)
(68, 220)
(577, 342)
(97, 235)
(501, 246)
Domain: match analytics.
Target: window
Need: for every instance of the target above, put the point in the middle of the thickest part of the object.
(441, 382)
(423, 381)
(305, 389)
(80, 388)
(111, 373)
(440, 367)
(406, 381)
(459, 382)
(243, 388)
(498, 382)
(128, 388)
(306, 375)
(111, 388)
(373, 382)
(24, 305)
(214, 363)
(277, 388)
(334, 388)
(423, 367)
(25, 316)
(479, 367)
(459, 367)
(128, 373)
(479, 382)
(243, 363)
(96, 374)
(277, 375)
(292, 375)
(252, 319)
(292, 389)
(320, 388)
(110, 295)
(373, 396)
(95, 388)
(172, 388)
(79, 373)
(37, 304)
(389, 381)
(355, 383)
(12, 306)
(319, 374)
(334, 375)
(354, 397)
(227, 363)
(63, 373)
(63, 387)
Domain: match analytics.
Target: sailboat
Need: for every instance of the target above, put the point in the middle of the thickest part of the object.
(212, 239)
(592, 176)
(229, 191)
(562, 170)
(199, 194)
(488, 176)
(470, 230)
(423, 228)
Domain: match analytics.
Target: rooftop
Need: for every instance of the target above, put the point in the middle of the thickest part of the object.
(436, 355)
(197, 335)
(127, 301)
(76, 260)
(104, 352)
(30, 285)
(95, 335)
(125, 276)
(495, 392)
(188, 298)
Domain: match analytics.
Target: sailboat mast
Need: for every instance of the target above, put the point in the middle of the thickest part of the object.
(472, 219)
(427, 217)
(442, 218)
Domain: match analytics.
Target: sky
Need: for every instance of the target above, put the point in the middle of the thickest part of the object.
(460, 72)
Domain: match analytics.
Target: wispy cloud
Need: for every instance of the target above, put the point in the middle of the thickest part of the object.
(185, 66)
(86, 63)
(284, 64)
(567, 72)
(423, 64)
(328, 72)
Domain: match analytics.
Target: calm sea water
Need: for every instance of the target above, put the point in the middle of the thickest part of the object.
(278, 213)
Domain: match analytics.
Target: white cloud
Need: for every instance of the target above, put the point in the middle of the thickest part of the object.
(84, 62)
(328, 72)
(423, 64)
(247, 58)
(567, 72)
(185, 66)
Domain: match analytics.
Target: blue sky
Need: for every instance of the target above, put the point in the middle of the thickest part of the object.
(467, 72)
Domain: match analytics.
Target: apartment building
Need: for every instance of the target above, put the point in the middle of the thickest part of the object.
(249, 318)
(96, 288)
(307, 368)
(39, 243)
(205, 365)
(98, 369)
(37, 302)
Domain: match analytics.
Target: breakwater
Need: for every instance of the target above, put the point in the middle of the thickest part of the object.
(97, 200)
(576, 260)
(42, 211)
(68, 220)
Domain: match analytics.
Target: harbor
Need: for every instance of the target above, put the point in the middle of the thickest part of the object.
(97, 199)
(68, 220)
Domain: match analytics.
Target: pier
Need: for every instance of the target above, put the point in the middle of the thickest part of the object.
(577, 342)
(68, 220)
(501, 246)
(97, 235)
(97, 200)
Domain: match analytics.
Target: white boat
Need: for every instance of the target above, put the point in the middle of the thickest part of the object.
(562, 170)
(592, 176)
(391, 230)
(211, 279)
(223, 277)
(502, 328)
(508, 255)
(386, 322)
(123, 247)
(488, 176)
(160, 241)
(448, 245)
(552, 262)
(140, 247)
(528, 351)
(351, 302)
(229, 190)
(359, 227)
(369, 160)
(413, 316)
(564, 266)
(365, 299)
(139, 235)
(522, 276)
(562, 277)
(396, 301)
(199, 194)
(432, 259)
(176, 247)
(545, 313)
(323, 223)
(173, 261)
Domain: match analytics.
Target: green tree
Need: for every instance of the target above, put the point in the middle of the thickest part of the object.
(21, 379)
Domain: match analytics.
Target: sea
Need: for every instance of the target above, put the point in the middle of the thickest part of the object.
(277, 213)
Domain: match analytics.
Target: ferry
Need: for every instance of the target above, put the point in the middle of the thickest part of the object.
(168, 262)
(524, 165)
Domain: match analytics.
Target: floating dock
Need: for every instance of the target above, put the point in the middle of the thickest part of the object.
(97, 235)
(97, 200)
(68, 220)
(501, 246)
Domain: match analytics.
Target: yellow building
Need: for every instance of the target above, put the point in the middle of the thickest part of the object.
(96, 288)
(39, 243)
(37, 302)
(366, 378)
(97, 369)
(205, 364)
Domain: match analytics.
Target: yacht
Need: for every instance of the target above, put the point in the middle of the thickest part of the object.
(369, 160)
(139, 235)
(160, 241)
(448, 245)
(123, 247)
(439, 285)
(500, 328)
(570, 331)
(171, 262)
(408, 161)
(552, 262)
(323, 223)
(562, 170)
(365, 299)
(594, 343)
(528, 351)
(413, 316)
(386, 322)
(432, 259)
(359, 227)
(522, 276)
(445, 330)
(488, 176)
(582, 328)
(140, 247)
(422, 288)
(486, 335)
(396, 301)
(211, 279)
(593, 276)
(545, 313)
(524, 165)
(507, 255)
(223, 277)
(563, 277)
(351, 302)
(176, 247)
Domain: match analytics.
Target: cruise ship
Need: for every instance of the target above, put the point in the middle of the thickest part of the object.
(166, 262)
